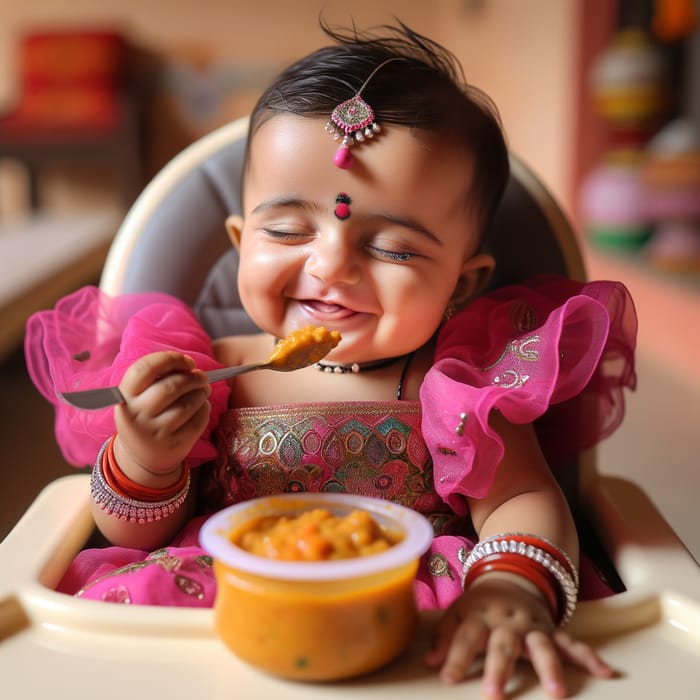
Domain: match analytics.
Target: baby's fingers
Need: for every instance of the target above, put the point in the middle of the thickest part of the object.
(150, 368)
(546, 662)
(466, 643)
(504, 647)
(175, 397)
(546, 654)
(582, 655)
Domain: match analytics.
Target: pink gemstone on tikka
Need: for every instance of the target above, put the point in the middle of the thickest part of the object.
(343, 158)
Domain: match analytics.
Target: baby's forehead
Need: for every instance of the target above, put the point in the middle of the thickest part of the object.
(291, 157)
(276, 128)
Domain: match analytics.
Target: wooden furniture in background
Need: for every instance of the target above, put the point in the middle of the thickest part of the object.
(79, 101)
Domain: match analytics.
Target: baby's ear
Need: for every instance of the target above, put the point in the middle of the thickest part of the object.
(475, 275)
(234, 227)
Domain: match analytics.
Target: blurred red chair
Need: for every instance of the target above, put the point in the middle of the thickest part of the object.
(77, 103)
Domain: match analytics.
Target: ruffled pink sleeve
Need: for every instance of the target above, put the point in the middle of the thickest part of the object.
(89, 340)
(553, 349)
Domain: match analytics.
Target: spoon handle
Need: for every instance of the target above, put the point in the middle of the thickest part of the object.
(92, 399)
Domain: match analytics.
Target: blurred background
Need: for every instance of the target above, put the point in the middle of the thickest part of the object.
(600, 97)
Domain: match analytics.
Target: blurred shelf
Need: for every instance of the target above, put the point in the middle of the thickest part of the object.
(44, 258)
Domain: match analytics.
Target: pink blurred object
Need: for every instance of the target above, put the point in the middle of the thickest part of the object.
(671, 177)
(613, 205)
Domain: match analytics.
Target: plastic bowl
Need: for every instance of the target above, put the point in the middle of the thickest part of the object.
(316, 621)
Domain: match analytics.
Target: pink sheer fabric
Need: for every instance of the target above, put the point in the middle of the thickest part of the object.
(90, 339)
(520, 350)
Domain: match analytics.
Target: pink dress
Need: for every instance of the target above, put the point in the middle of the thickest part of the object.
(554, 351)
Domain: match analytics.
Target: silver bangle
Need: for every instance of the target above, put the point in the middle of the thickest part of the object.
(129, 509)
(501, 544)
(506, 535)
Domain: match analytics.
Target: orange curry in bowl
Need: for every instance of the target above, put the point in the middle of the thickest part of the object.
(315, 535)
(321, 590)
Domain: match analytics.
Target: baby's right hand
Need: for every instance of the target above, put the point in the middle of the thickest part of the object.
(166, 410)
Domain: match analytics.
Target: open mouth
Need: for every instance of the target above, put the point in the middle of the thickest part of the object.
(325, 310)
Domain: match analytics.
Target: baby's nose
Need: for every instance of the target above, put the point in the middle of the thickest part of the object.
(333, 262)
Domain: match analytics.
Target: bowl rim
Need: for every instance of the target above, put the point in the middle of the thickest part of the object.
(418, 531)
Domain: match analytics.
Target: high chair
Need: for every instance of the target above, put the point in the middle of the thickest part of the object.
(174, 240)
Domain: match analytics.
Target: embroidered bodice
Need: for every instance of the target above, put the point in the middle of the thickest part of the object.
(370, 448)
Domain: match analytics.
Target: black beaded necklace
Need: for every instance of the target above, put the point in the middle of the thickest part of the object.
(357, 367)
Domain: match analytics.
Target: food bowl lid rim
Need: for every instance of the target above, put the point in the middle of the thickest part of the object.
(419, 535)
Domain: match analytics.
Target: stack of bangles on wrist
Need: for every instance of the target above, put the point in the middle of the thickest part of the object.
(533, 558)
(117, 495)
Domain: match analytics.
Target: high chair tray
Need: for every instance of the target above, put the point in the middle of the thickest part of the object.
(52, 645)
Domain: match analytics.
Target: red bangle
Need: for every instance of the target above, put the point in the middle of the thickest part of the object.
(122, 485)
(553, 560)
(126, 508)
(548, 547)
(523, 567)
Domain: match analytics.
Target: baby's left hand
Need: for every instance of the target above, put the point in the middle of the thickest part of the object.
(504, 621)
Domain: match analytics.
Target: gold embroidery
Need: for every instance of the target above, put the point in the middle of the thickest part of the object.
(370, 448)
(439, 566)
(189, 586)
(117, 594)
(522, 350)
(510, 379)
(290, 412)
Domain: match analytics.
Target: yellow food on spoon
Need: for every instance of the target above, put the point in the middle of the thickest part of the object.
(304, 347)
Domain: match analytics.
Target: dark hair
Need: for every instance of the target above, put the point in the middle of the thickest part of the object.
(426, 90)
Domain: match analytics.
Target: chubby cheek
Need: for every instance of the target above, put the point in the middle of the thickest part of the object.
(421, 321)
(412, 318)
(261, 283)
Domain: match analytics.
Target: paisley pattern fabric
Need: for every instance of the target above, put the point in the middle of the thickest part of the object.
(368, 448)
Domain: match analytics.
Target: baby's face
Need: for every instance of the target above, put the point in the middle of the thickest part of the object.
(374, 251)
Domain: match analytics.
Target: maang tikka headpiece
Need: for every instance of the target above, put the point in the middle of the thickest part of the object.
(353, 120)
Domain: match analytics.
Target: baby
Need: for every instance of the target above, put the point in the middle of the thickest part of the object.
(371, 175)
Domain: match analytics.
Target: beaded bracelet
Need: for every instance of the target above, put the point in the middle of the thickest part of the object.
(130, 509)
(558, 565)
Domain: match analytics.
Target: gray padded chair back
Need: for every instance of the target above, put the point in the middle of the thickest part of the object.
(174, 239)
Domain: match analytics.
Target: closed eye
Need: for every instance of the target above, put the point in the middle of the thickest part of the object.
(392, 255)
(284, 235)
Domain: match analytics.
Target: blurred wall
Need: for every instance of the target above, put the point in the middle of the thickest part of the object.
(520, 51)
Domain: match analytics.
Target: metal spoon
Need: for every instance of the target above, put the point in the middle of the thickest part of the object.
(91, 399)
(299, 349)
